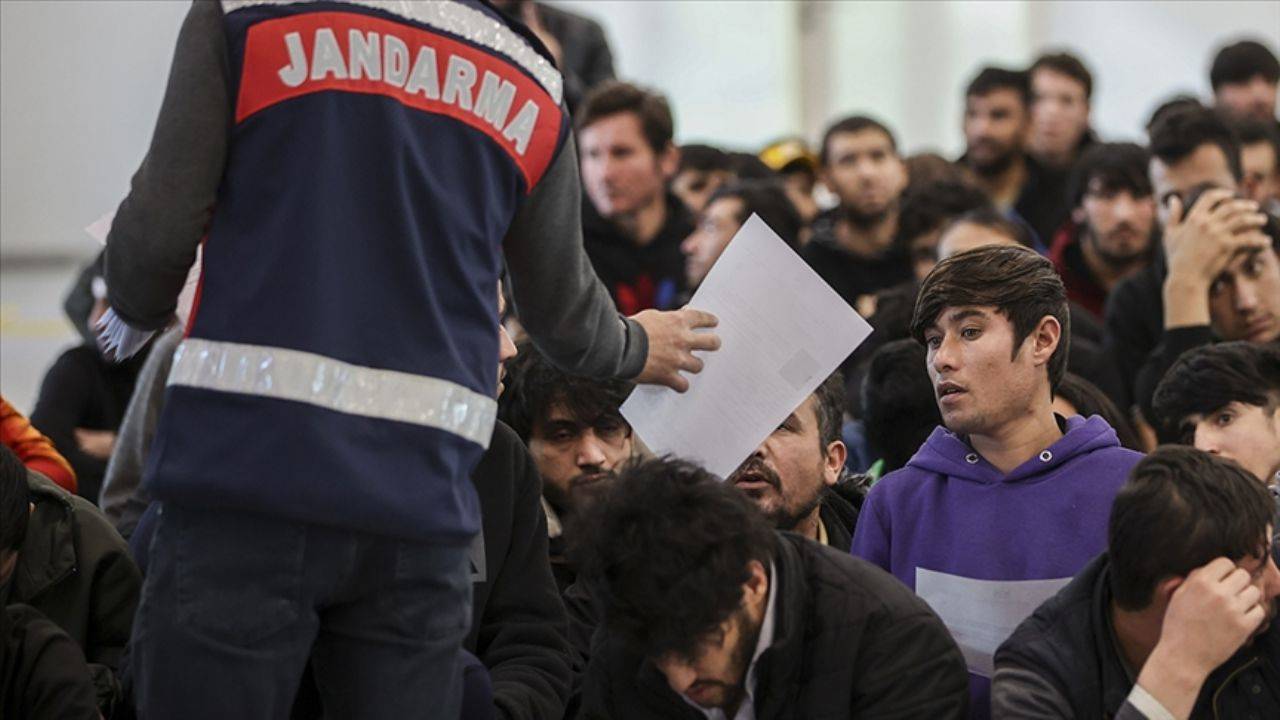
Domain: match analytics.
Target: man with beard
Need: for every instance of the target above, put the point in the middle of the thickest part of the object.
(997, 121)
(710, 613)
(1245, 77)
(1111, 233)
(852, 246)
(795, 475)
(1173, 621)
(575, 434)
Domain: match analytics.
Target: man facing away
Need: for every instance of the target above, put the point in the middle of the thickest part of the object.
(1007, 491)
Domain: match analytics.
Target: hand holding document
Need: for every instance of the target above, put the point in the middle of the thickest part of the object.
(782, 332)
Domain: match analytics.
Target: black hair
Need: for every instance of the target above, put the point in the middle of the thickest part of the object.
(666, 554)
(1088, 399)
(932, 206)
(990, 79)
(830, 409)
(613, 97)
(899, 408)
(1178, 102)
(1241, 62)
(1115, 167)
(990, 218)
(1065, 63)
(747, 166)
(703, 158)
(1180, 132)
(1252, 132)
(1180, 509)
(1208, 378)
(15, 500)
(849, 126)
(769, 200)
(534, 385)
(1021, 284)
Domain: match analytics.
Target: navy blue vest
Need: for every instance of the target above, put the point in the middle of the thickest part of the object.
(341, 361)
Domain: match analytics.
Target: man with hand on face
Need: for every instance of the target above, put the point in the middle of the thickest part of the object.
(852, 245)
(1220, 275)
(1225, 400)
(709, 613)
(1007, 491)
(1112, 230)
(575, 434)
(1175, 620)
(795, 475)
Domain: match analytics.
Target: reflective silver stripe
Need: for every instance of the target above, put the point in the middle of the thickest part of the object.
(324, 382)
(456, 18)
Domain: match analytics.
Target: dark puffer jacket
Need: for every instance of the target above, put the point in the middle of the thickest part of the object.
(850, 642)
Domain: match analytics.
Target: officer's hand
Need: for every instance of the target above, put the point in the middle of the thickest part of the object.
(673, 336)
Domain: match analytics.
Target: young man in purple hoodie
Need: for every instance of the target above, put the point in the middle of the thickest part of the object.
(1003, 505)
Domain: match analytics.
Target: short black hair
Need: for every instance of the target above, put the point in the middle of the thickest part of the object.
(1180, 132)
(1178, 102)
(1208, 378)
(991, 78)
(703, 158)
(1115, 166)
(769, 200)
(15, 500)
(1021, 284)
(1088, 399)
(1180, 509)
(747, 166)
(666, 554)
(614, 97)
(899, 408)
(1064, 63)
(534, 384)
(1241, 62)
(848, 126)
(830, 409)
(934, 205)
(990, 218)
(1252, 132)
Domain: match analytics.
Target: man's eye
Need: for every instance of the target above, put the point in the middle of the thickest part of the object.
(561, 436)
(933, 342)
(1223, 419)
(970, 333)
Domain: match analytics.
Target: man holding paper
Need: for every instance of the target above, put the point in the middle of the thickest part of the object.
(1000, 508)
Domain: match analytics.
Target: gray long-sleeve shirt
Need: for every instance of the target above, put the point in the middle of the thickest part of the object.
(153, 240)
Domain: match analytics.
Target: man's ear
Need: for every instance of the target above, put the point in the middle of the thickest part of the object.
(756, 588)
(1164, 590)
(837, 453)
(1045, 339)
(669, 161)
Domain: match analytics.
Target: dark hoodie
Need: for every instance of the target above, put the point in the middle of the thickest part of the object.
(953, 515)
(639, 277)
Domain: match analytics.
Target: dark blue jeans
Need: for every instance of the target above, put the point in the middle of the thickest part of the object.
(234, 604)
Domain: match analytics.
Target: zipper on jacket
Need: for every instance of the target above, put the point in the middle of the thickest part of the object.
(1227, 681)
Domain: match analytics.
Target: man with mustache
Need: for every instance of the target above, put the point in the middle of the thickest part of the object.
(1175, 620)
(575, 434)
(795, 475)
(852, 246)
(1111, 232)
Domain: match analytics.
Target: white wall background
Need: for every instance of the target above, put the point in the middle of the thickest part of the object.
(81, 81)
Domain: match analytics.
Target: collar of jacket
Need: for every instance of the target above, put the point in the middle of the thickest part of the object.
(48, 552)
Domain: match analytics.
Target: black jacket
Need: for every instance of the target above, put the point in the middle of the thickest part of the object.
(1062, 663)
(639, 278)
(585, 57)
(519, 630)
(851, 276)
(850, 642)
(1134, 324)
(43, 675)
(839, 514)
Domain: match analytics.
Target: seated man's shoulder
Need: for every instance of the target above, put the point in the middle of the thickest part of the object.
(1057, 641)
(857, 588)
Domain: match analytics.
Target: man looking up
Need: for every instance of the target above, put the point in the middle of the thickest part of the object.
(1061, 92)
(709, 613)
(575, 434)
(1175, 620)
(632, 224)
(1225, 399)
(1112, 231)
(1244, 77)
(795, 475)
(1006, 491)
(997, 120)
(852, 245)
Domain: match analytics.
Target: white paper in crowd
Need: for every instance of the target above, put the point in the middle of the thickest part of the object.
(981, 614)
(782, 330)
(98, 229)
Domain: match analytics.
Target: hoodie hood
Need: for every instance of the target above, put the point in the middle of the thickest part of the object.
(949, 454)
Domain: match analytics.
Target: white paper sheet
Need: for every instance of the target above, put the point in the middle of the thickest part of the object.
(782, 330)
(981, 614)
(98, 229)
